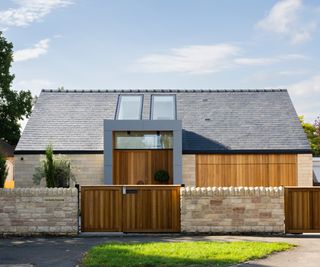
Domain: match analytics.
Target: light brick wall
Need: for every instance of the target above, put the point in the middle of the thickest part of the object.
(232, 209)
(305, 177)
(189, 170)
(88, 168)
(38, 211)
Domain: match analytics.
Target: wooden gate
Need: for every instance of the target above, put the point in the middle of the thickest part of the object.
(302, 209)
(141, 208)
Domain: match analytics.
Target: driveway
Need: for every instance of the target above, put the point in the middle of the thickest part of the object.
(68, 251)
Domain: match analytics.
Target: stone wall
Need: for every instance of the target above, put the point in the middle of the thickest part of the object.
(88, 168)
(232, 209)
(305, 177)
(27, 211)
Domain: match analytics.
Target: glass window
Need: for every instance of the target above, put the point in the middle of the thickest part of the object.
(129, 107)
(143, 140)
(163, 107)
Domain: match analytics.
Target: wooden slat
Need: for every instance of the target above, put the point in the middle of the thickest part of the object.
(152, 208)
(246, 170)
(302, 209)
(139, 166)
(101, 209)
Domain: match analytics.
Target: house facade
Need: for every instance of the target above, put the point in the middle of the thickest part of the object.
(199, 137)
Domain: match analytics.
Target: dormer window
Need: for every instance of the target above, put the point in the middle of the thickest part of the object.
(163, 107)
(129, 107)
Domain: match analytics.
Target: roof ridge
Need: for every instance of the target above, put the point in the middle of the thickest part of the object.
(161, 90)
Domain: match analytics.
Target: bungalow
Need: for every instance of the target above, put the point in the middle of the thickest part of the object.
(199, 137)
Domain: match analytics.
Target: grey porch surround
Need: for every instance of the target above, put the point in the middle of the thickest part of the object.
(111, 126)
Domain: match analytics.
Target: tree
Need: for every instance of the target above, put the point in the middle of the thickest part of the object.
(3, 170)
(313, 134)
(57, 171)
(14, 106)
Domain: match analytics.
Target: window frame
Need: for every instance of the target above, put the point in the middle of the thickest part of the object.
(143, 148)
(174, 102)
(118, 106)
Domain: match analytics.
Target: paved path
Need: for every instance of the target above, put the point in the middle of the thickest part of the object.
(67, 251)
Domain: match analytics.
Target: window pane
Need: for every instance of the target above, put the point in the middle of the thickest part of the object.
(129, 107)
(164, 107)
(143, 140)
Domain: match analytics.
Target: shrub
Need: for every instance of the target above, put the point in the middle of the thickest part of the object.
(56, 170)
(161, 176)
(48, 166)
(3, 170)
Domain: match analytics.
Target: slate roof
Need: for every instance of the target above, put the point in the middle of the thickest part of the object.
(213, 120)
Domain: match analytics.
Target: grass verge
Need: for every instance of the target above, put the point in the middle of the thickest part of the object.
(179, 253)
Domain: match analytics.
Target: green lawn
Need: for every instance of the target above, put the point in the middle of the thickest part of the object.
(179, 253)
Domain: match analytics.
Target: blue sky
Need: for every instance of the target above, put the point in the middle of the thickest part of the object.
(100, 44)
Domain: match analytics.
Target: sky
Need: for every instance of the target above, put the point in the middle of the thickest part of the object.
(181, 44)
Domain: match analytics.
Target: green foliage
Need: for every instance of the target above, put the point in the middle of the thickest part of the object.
(313, 134)
(161, 176)
(49, 167)
(3, 170)
(14, 106)
(63, 173)
(180, 253)
(56, 170)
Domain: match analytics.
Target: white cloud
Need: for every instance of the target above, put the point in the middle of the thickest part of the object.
(190, 59)
(263, 61)
(34, 85)
(29, 11)
(256, 61)
(308, 86)
(39, 49)
(306, 97)
(281, 16)
(202, 59)
(286, 18)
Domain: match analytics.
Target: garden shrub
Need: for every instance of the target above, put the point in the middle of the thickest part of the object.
(161, 176)
(56, 170)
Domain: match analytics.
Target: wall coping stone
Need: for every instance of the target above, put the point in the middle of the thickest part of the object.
(232, 191)
(39, 192)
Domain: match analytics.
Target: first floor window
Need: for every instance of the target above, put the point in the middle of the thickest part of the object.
(143, 140)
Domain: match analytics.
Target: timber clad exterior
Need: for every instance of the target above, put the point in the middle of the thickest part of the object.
(246, 170)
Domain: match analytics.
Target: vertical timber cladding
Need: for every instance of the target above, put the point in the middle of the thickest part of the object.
(246, 170)
(302, 209)
(101, 208)
(131, 167)
(142, 208)
(151, 209)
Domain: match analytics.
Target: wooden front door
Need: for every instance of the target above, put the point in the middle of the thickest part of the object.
(143, 208)
(131, 167)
